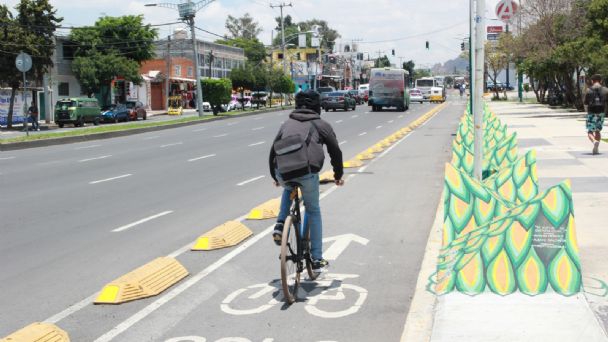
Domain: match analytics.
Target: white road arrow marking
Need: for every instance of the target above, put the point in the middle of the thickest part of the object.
(340, 244)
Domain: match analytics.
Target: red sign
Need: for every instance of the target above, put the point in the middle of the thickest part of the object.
(494, 29)
(506, 9)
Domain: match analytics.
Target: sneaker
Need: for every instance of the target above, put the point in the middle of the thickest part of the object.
(277, 233)
(596, 147)
(320, 266)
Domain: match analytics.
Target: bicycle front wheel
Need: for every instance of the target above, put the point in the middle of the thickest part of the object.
(290, 277)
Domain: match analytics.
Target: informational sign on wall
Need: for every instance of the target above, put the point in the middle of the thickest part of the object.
(18, 110)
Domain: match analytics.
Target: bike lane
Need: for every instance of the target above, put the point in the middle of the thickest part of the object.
(375, 230)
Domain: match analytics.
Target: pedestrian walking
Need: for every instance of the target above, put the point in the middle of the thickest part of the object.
(595, 100)
(33, 114)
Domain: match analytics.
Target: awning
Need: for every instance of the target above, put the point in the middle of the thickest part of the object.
(183, 79)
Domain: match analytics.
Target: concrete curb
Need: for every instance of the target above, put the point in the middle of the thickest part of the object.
(420, 317)
(98, 136)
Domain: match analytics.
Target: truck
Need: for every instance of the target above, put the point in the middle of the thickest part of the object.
(431, 89)
(387, 88)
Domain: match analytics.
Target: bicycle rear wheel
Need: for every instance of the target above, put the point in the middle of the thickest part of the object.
(308, 257)
(290, 277)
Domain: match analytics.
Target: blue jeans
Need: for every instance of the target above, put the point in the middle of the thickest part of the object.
(312, 217)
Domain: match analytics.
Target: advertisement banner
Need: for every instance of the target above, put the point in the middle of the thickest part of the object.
(18, 111)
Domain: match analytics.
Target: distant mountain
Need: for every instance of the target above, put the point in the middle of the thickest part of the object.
(453, 66)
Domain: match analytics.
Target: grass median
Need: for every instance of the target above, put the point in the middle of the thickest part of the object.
(125, 127)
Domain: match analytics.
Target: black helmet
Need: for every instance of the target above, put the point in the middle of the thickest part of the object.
(308, 99)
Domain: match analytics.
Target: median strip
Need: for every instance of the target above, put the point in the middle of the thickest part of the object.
(111, 179)
(131, 225)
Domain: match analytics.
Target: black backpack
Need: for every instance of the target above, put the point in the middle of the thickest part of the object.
(596, 102)
(291, 152)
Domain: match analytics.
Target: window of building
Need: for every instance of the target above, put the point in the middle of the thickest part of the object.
(178, 70)
(190, 71)
(63, 89)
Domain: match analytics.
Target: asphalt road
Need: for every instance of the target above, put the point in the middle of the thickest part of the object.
(70, 218)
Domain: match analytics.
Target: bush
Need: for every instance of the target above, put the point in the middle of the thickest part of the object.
(216, 92)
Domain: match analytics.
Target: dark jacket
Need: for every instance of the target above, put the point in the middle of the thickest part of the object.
(323, 134)
(603, 92)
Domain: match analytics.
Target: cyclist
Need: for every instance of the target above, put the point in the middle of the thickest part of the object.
(305, 123)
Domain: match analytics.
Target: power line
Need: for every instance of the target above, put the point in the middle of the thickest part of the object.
(414, 35)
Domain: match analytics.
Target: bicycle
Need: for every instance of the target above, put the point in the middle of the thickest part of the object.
(295, 249)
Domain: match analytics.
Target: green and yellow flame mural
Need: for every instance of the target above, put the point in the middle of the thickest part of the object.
(501, 234)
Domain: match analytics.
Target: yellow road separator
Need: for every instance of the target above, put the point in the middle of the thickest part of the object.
(352, 163)
(265, 210)
(392, 139)
(365, 156)
(228, 234)
(384, 143)
(375, 149)
(38, 332)
(146, 281)
(327, 176)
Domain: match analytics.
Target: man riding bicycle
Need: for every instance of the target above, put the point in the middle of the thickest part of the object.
(297, 157)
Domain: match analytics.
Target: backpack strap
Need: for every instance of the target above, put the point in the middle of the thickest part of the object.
(314, 127)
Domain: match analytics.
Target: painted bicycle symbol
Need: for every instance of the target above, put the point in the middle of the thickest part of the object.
(329, 297)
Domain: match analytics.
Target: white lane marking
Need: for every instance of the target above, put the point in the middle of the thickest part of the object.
(257, 128)
(111, 179)
(131, 225)
(96, 158)
(72, 309)
(172, 144)
(152, 137)
(258, 118)
(339, 121)
(391, 121)
(256, 144)
(203, 157)
(340, 244)
(7, 158)
(199, 130)
(250, 180)
(355, 116)
(279, 114)
(220, 135)
(400, 116)
(342, 143)
(85, 147)
(378, 127)
(362, 134)
(233, 123)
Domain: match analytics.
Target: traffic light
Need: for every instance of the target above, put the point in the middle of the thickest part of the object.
(427, 44)
(462, 46)
(393, 51)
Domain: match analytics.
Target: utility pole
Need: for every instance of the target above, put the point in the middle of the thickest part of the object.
(167, 89)
(478, 94)
(282, 33)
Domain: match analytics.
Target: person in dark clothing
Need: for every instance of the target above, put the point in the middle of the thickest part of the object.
(596, 100)
(33, 113)
(306, 118)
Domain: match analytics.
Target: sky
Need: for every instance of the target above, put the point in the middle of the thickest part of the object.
(379, 25)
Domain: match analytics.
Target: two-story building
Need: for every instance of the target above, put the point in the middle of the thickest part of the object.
(302, 64)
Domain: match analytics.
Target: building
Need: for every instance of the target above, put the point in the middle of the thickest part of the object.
(302, 64)
(181, 81)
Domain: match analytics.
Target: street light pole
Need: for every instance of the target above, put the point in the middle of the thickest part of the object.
(187, 12)
(282, 33)
(479, 83)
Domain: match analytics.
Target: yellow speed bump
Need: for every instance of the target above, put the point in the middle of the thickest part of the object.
(226, 235)
(146, 281)
(384, 144)
(39, 332)
(392, 138)
(365, 156)
(353, 163)
(265, 210)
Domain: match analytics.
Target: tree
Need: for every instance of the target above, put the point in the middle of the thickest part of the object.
(217, 92)
(496, 61)
(328, 35)
(382, 62)
(114, 46)
(32, 31)
(254, 49)
(242, 78)
(244, 27)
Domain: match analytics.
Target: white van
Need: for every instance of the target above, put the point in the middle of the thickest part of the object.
(364, 91)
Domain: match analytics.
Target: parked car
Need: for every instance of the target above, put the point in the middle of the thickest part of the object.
(338, 100)
(416, 95)
(259, 98)
(115, 113)
(136, 110)
(206, 107)
(355, 94)
(77, 111)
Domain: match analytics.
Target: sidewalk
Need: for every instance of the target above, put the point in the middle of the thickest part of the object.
(563, 151)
